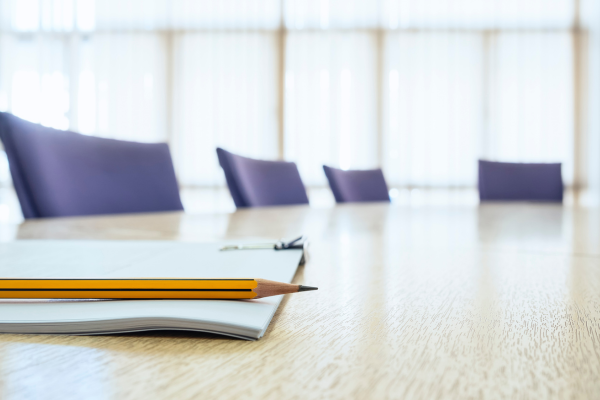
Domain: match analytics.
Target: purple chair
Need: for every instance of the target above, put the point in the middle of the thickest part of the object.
(59, 173)
(258, 183)
(357, 185)
(520, 182)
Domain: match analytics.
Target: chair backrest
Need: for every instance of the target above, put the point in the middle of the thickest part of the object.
(61, 173)
(259, 183)
(520, 181)
(357, 185)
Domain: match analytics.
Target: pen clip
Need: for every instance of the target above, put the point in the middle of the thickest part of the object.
(297, 243)
(258, 246)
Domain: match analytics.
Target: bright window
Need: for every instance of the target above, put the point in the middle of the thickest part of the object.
(422, 88)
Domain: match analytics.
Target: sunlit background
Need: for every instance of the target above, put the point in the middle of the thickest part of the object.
(422, 88)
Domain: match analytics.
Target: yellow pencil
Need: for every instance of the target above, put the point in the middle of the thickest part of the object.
(153, 288)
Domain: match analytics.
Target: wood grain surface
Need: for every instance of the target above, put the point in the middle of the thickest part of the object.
(500, 301)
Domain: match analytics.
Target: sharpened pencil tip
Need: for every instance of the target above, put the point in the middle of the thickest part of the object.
(303, 288)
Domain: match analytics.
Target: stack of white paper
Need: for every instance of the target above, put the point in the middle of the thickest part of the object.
(246, 319)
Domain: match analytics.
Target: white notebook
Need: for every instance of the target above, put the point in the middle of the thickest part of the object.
(247, 319)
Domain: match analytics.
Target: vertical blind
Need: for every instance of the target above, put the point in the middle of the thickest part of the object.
(422, 88)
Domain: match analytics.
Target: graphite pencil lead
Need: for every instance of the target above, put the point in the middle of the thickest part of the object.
(303, 288)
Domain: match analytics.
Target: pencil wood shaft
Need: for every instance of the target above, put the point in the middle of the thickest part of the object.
(158, 288)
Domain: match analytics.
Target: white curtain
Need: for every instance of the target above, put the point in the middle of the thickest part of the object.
(531, 99)
(34, 80)
(434, 108)
(121, 87)
(422, 88)
(331, 102)
(225, 94)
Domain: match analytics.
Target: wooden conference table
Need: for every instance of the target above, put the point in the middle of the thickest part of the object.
(496, 301)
